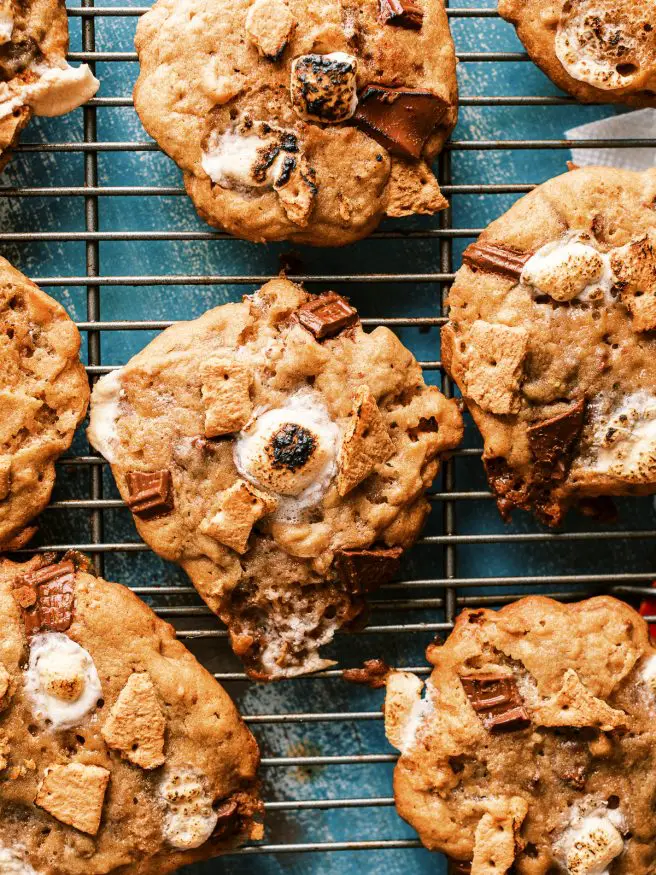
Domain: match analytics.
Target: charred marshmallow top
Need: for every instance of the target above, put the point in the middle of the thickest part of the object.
(626, 440)
(61, 680)
(592, 841)
(290, 450)
(190, 819)
(567, 269)
(324, 87)
(104, 412)
(12, 864)
(252, 154)
(603, 43)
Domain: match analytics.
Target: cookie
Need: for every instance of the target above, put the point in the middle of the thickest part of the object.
(305, 120)
(530, 748)
(43, 399)
(118, 751)
(600, 51)
(35, 78)
(552, 342)
(280, 455)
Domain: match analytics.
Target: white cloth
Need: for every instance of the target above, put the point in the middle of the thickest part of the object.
(630, 126)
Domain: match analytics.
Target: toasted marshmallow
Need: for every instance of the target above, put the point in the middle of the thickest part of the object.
(602, 44)
(405, 709)
(61, 680)
(625, 441)
(591, 842)
(324, 87)
(567, 269)
(189, 819)
(11, 863)
(56, 91)
(252, 154)
(291, 451)
(104, 412)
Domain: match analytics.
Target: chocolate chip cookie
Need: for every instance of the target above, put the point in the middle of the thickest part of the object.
(280, 455)
(34, 76)
(118, 751)
(552, 342)
(531, 748)
(600, 51)
(304, 120)
(43, 398)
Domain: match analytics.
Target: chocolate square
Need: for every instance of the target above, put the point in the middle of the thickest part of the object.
(327, 315)
(150, 494)
(363, 571)
(47, 597)
(400, 119)
(497, 701)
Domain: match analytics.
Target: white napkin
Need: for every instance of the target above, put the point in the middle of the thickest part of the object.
(631, 126)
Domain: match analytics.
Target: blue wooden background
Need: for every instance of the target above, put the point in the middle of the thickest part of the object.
(415, 255)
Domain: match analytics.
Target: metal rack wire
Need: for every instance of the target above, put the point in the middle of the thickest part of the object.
(449, 591)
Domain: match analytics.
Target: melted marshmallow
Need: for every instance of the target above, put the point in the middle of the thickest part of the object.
(6, 25)
(592, 840)
(569, 268)
(104, 412)
(12, 864)
(61, 680)
(292, 451)
(252, 154)
(648, 673)
(625, 441)
(57, 90)
(190, 819)
(594, 48)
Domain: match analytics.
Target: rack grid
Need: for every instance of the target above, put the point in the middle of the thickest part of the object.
(310, 743)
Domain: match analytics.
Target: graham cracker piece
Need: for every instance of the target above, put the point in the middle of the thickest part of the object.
(74, 794)
(634, 267)
(493, 370)
(496, 840)
(366, 442)
(236, 512)
(269, 24)
(136, 724)
(574, 705)
(413, 190)
(225, 389)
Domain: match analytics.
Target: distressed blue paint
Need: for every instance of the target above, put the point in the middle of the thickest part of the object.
(233, 257)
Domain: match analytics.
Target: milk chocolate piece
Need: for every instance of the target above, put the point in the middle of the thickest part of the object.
(363, 571)
(401, 13)
(552, 442)
(150, 494)
(400, 119)
(493, 258)
(47, 598)
(496, 700)
(327, 315)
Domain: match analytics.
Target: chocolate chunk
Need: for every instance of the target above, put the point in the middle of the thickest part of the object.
(459, 867)
(494, 258)
(400, 119)
(150, 494)
(373, 674)
(552, 443)
(401, 13)
(327, 315)
(496, 700)
(47, 598)
(363, 571)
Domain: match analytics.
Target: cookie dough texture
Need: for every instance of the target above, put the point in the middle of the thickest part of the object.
(157, 771)
(567, 790)
(43, 398)
(551, 341)
(601, 51)
(297, 466)
(217, 74)
(34, 76)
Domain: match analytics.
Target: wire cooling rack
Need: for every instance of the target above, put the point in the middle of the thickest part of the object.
(120, 245)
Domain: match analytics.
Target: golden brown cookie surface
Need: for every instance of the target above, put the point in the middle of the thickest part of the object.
(598, 50)
(305, 120)
(528, 748)
(551, 341)
(281, 456)
(118, 751)
(43, 398)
